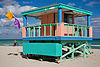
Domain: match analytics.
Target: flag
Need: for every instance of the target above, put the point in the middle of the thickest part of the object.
(9, 15)
(17, 24)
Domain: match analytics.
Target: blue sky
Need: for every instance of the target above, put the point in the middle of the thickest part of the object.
(8, 30)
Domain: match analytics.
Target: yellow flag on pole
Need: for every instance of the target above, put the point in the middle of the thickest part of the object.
(9, 15)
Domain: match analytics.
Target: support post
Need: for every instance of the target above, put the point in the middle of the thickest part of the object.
(25, 23)
(59, 15)
(88, 21)
(25, 20)
(84, 51)
(73, 51)
(88, 24)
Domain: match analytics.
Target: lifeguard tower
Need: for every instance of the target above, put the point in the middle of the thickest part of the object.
(56, 36)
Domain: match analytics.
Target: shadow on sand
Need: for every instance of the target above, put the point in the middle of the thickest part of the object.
(45, 58)
(13, 54)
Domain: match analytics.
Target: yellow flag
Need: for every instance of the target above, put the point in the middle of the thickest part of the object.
(9, 15)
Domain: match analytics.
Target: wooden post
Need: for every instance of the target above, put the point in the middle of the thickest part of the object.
(73, 19)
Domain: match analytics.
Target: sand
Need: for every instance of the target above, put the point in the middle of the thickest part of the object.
(8, 59)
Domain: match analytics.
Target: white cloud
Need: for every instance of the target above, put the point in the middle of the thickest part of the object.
(14, 7)
(9, 23)
(71, 4)
(16, 10)
(3, 20)
(92, 3)
(8, 2)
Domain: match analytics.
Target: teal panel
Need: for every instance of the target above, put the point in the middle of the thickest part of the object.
(49, 49)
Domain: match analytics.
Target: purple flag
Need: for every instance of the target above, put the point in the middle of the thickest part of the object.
(17, 24)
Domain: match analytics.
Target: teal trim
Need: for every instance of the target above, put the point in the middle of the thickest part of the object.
(48, 49)
(40, 9)
(59, 5)
(75, 9)
(41, 25)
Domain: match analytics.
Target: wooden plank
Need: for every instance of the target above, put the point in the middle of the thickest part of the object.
(47, 19)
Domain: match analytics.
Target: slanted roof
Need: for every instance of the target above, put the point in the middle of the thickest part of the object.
(53, 8)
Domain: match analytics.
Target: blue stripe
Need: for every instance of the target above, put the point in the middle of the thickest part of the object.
(58, 38)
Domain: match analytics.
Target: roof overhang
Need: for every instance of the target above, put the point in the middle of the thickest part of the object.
(53, 9)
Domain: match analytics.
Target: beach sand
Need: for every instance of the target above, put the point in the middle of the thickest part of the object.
(8, 58)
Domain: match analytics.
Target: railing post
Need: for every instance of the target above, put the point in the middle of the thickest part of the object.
(50, 30)
(34, 31)
(44, 30)
(77, 31)
(29, 31)
(68, 30)
(85, 31)
(81, 31)
(73, 30)
(39, 31)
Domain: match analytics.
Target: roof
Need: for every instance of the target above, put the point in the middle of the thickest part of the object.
(55, 6)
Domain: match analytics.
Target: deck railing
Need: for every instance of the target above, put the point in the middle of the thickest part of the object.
(71, 30)
(35, 31)
(77, 30)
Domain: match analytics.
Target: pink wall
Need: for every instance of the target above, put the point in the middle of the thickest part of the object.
(23, 32)
(61, 30)
(90, 31)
